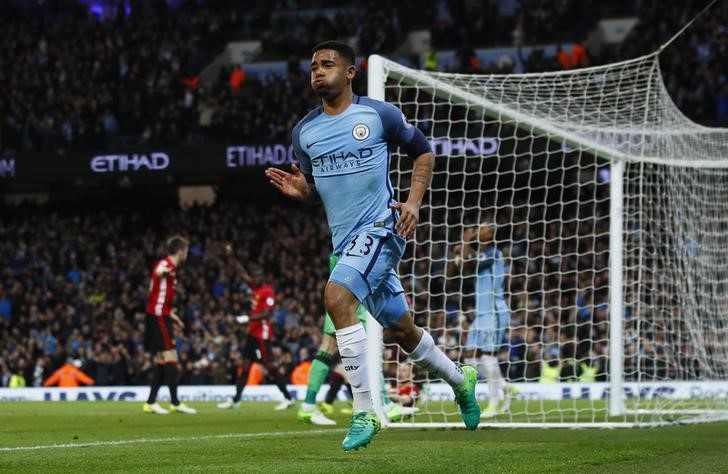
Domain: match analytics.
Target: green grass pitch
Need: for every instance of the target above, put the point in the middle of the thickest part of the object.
(118, 437)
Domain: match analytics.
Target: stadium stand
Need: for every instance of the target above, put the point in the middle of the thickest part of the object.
(75, 81)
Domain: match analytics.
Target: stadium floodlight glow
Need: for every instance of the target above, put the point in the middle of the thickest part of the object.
(612, 211)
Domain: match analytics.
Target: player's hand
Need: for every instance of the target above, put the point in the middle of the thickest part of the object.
(176, 321)
(470, 235)
(228, 248)
(292, 185)
(242, 319)
(409, 216)
(457, 252)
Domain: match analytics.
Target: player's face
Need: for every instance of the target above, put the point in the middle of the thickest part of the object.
(330, 73)
(404, 372)
(485, 234)
(183, 255)
(258, 277)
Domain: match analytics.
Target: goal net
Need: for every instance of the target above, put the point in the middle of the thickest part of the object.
(611, 211)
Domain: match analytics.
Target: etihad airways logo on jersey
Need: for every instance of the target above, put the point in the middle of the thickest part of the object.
(341, 160)
(133, 162)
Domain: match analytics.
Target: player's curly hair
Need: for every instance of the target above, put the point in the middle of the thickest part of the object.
(343, 49)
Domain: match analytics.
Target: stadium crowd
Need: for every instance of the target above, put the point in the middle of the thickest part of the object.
(77, 82)
(80, 296)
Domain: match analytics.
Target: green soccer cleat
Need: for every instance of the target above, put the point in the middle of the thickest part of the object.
(465, 398)
(396, 412)
(304, 416)
(154, 408)
(364, 425)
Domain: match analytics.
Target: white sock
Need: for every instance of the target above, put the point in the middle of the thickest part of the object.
(352, 342)
(493, 377)
(429, 357)
(308, 407)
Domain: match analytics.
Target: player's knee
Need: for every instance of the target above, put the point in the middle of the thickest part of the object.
(394, 334)
(339, 301)
(405, 333)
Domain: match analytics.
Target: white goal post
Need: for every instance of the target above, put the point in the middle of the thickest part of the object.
(611, 210)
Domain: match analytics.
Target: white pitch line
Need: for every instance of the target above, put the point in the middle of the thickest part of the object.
(167, 440)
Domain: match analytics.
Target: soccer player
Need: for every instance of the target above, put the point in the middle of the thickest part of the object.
(161, 321)
(258, 341)
(321, 366)
(487, 331)
(406, 391)
(343, 151)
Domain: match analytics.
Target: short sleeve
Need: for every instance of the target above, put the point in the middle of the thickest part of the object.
(398, 130)
(396, 127)
(304, 161)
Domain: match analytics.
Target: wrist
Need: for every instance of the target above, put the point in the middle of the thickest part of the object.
(414, 203)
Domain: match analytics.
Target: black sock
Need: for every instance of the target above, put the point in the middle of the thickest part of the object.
(349, 393)
(240, 386)
(170, 379)
(157, 380)
(281, 383)
(335, 383)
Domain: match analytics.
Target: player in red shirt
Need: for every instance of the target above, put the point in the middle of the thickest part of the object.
(258, 341)
(406, 391)
(161, 320)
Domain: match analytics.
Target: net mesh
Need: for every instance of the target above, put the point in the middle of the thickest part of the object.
(532, 154)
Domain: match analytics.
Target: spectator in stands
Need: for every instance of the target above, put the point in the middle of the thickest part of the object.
(17, 376)
(64, 90)
(141, 83)
(564, 58)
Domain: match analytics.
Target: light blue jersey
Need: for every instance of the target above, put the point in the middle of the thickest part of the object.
(491, 281)
(492, 313)
(347, 157)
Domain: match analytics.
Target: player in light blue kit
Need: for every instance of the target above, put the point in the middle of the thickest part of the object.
(343, 152)
(488, 329)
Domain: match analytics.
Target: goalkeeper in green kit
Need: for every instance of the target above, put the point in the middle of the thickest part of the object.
(321, 366)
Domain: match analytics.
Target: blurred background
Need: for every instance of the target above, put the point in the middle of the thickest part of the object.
(125, 121)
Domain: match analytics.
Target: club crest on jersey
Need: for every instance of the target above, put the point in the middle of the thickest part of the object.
(360, 132)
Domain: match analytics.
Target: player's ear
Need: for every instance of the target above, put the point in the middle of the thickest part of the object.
(351, 72)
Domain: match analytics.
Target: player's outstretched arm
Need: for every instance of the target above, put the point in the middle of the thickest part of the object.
(239, 268)
(293, 184)
(409, 212)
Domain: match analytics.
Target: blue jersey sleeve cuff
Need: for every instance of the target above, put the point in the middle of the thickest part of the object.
(418, 145)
